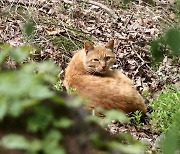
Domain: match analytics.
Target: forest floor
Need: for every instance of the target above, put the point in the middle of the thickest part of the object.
(61, 26)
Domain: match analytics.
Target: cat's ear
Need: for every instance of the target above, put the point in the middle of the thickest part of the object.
(88, 46)
(110, 45)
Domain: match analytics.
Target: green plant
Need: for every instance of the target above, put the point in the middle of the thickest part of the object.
(172, 136)
(165, 115)
(108, 116)
(165, 107)
(132, 147)
(28, 99)
(22, 90)
(58, 85)
(165, 118)
(35, 119)
(136, 118)
(168, 44)
(147, 94)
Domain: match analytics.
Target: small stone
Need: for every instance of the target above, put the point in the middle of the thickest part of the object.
(158, 141)
(146, 141)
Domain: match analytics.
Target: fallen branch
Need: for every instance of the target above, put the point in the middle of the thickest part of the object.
(108, 10)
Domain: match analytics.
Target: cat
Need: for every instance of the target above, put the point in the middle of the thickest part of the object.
(89, 73)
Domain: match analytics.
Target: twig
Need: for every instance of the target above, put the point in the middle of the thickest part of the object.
(139, 56)
(128, 21)
(108, 10)
(68, 2)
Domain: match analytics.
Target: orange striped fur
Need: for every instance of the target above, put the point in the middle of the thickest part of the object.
(89, 73)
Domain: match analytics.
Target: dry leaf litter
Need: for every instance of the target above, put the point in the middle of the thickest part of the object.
(134, 28)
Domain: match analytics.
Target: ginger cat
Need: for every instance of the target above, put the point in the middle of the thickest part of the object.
(89, 73)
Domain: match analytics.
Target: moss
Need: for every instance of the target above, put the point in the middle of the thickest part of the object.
(72, 40)
(65, 43)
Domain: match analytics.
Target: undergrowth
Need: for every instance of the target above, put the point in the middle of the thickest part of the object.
(41, 116)
(165, 108)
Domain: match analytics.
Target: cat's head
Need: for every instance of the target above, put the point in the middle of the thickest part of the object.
(99, 58)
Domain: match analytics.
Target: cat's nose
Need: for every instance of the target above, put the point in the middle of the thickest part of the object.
(104, 66)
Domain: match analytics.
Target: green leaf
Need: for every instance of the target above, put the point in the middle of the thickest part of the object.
(3, 56)
(117, 115)
(47, 67)
(167, 44)
(20, 53)
(173, 39)
(128, 149)
(15, 141)
(15, 108)
(35, 145)
(53, 135)
(58, 85)
(63, 123)
(3, 108)
(5, 49)
(51, 143)
(171, 137)
(96, 139)
(41, 92)
(92, 118)
(114, 115)
(41, 119)
(156, 49)
(49, 71)
(16, 53)
(28, 68)
(55, 150)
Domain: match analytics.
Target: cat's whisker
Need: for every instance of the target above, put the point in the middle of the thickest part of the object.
(92, 72)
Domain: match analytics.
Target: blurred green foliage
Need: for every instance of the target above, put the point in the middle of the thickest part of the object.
(23, 87)
(17, 53)
(166, 108)
(165, 118)
(167, 44)
(172, 136)
(110, 115)
(23, 90)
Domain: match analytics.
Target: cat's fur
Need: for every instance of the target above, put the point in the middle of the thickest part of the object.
(89, 73)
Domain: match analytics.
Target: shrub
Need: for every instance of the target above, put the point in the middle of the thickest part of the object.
(165, 107)
(35, 119)
(172, 136)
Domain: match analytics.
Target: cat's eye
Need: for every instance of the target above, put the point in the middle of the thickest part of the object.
(107, 58)
(95, 59)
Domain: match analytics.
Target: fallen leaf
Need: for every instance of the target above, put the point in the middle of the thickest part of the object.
(54, 31)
